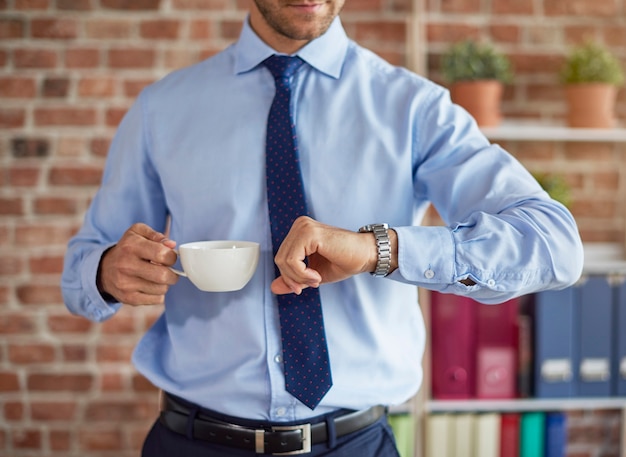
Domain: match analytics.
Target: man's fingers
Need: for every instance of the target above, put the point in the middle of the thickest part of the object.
(279, 287)
(145, 231)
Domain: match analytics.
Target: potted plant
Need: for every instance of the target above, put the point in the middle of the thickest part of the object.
(476, 74)
(556, 186)
(591, 75)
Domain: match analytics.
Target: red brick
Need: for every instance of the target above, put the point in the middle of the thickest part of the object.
(100, 439)
(614, 35)
(12, 117)
(74, 353)
(141, 384)
(55, 87)
(21, 354)
(60, 440)
(65, 116)
(29, 147)
(53, 411)
(230, 30)
(51, 382)
(133, 87)
(11, 28)
(160, 29)
(27, 439)
(364, 5)
(11, 265)
(109, 352)
(201, 4)
(32, 4)
(75, 176)
(201, 29)
(113, 29)
(12, 324)
(47, 264)
(460, 6)
(385, 31)
(121, 324)
(38, 294)
(67, 323)
(131, 58)
(103, 87)
(112, 382)
(12, 87)
(606, 8)
(74, 5)
(23, 176)
(14, 411)
(55, 205)
(113, 410)
(82, 58)
(35, 58)
(114, 116)
(174, 58)
(133, 5)
(29, 235)
(13, 206)
(514, 7)
(54, 28)
(9, 382)
(505, 33)
(99, 147)
(451, 33)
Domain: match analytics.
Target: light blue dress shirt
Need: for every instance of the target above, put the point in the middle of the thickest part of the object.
(377, 143)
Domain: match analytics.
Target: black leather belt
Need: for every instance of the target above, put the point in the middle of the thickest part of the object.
(273, 439)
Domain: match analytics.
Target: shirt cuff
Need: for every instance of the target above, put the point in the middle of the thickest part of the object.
(425, 256)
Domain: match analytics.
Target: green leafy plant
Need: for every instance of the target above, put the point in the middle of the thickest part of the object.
(592, 63)
(471, 61)
(556, 186)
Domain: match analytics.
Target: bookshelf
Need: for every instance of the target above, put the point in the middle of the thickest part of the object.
(600, 258)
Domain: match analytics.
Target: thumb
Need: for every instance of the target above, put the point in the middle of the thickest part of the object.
(280, 287)
(169, 243)
(147, 232)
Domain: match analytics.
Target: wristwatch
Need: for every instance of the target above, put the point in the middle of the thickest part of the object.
(381, 234)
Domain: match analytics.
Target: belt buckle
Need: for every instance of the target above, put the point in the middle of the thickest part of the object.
(306, 438)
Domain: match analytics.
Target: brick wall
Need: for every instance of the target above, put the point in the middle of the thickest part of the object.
(68, 71)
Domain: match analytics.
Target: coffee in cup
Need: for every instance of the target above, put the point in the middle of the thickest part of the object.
(218, 266)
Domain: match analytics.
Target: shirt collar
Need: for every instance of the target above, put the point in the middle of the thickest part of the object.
(326, 53)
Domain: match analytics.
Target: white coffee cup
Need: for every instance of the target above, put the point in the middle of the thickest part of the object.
(218, 266)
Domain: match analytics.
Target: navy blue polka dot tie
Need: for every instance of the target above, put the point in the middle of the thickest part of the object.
(305, 352)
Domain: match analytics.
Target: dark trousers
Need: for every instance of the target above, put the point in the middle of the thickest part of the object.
(374, 441)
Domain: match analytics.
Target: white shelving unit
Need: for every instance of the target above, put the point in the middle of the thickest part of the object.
(523, 130)
(524, 404)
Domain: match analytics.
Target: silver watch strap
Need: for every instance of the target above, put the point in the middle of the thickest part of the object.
(381, 234)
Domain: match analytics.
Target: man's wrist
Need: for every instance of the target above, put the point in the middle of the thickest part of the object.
(386, 249)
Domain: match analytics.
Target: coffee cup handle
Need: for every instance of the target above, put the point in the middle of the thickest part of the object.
(178, 272)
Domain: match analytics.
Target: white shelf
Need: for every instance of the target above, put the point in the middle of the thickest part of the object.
(524, 404)
(604, 259)
(539, 131)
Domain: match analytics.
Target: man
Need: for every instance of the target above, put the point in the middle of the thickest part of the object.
(376, 144)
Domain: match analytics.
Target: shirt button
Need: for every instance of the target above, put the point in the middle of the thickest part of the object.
(491, 282)
(278, 358)
(281, 412)
(430, 274)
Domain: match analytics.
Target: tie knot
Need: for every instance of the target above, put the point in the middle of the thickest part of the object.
(282, 67)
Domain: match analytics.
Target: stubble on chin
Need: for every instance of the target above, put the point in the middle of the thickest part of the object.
(303, 27)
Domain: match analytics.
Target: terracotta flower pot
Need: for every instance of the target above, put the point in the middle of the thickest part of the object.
(481, 99)
(591, 105)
